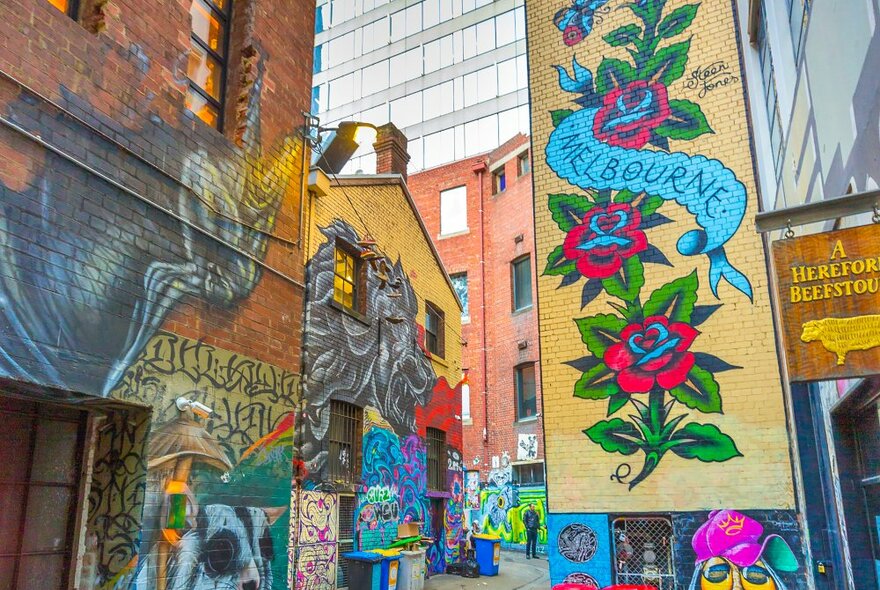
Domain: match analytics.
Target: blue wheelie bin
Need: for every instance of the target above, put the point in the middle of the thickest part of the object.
(390, 567)
(488, 554)
(364, 570)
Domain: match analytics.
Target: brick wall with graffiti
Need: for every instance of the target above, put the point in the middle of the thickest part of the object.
(373, 352)
(148, 256)
(662, 391)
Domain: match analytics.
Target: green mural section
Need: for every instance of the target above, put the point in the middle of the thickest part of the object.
(502, 509)
(194, 477)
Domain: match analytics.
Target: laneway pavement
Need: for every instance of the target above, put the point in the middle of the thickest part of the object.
(515, 573)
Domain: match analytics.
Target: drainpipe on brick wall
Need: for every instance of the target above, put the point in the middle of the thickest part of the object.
(480, 168)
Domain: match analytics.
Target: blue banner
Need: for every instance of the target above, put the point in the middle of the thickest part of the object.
(705, 187)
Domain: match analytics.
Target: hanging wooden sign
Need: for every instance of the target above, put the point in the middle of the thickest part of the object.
(829, 295)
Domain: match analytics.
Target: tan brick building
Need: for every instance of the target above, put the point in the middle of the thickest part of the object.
(661, 383)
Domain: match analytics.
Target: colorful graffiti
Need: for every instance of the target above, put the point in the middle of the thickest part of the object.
(580, 549)
(316, 545)
(730, 553)
(503, 509)
(641, 355)
(472, 490)
(575, 22)
(207, 465)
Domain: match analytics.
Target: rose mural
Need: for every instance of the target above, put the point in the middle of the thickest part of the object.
(616, 149)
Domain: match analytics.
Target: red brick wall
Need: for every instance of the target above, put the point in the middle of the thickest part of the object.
(134, 69)
(505, 216)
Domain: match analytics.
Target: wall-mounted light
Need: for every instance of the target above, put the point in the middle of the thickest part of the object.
(337, 147)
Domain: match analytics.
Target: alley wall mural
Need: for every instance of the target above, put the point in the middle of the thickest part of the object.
(382, 367)
(660, 376)
(92, 275)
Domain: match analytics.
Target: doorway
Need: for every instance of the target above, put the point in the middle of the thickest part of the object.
(40, 466)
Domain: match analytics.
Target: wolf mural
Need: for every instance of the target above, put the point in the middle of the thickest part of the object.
(377, 364)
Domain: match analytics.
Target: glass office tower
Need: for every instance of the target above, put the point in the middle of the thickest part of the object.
(451, 74)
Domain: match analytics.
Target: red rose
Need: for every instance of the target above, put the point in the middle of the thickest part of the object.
(655, 351)
(628, 115)
(607, 236)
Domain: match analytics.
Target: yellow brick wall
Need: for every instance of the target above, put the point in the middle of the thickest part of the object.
(395, 227)
(740, 332)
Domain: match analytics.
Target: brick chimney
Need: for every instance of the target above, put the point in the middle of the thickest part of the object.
(391, 154)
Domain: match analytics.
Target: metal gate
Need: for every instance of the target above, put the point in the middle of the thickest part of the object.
(345, 538)
(643, 552)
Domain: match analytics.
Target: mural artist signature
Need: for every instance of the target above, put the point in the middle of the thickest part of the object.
(711, 77)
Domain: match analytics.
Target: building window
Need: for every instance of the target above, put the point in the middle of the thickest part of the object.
(528, 474)
(453, 211)
(798, 17)
(436, 456)
(465, 397)
(499, 181)
(521, 277)
(344, 440)
(207, 60)
(435, 328)
(526, 401)
(523, 164)
(771, 100)
(647, 544)
(39, 486)
(68, 7)
(460, 284)
(348, 279)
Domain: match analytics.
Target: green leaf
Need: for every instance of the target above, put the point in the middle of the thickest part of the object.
(623, 36)
(626, 283)
(613, 73)
(649, 205)
(558, 116)
(615, 436)
(617, 401)
(704, 442)
(568, 210)
(668, 64)
(686, 121)
(600, 331)
(677, 21)
(700, 391)
(597, 383)
(558, 264)
(625, 196)
(674, 300)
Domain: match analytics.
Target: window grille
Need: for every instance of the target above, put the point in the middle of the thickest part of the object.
(436, 456)
(345, 538)
(643, 552)
(344, 440)
(39, 482)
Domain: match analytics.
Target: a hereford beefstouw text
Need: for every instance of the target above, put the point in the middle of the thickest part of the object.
(839, 278)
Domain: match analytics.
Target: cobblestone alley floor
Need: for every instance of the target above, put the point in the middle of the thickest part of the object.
(515, 573)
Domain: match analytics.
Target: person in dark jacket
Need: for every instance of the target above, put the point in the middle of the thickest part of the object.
(532, 522)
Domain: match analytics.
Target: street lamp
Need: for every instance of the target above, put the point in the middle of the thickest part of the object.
(337, 147)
